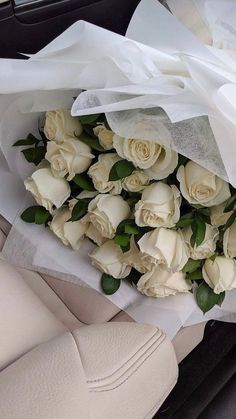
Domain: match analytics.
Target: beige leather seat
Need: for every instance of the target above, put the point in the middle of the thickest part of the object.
(52, 366)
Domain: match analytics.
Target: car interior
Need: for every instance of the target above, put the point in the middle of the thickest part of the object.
(66, 350)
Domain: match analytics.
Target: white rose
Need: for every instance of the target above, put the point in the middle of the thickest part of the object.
(162, 283)
(229, 241)
(68, 158)
(105, 136)
(207, 247)
(165, 164)
(95, 235)
(91, 232)
(70, 233)
(137, 259)
(218, 216)
(164, 247)
(109, 259)
(106, 212)
(99, 173)
(220, 274)
(61, 126)
(141, 153)
(48, 190)
(199, 186)
(159, 206)
(136, 182)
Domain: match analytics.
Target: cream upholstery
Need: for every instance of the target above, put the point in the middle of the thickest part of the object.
(187, 339)
(24, 321)
(116, 370)
(50, 299)
(46, 383)
(112, 370)
(81, 299)
(89, 307)
(148, 369)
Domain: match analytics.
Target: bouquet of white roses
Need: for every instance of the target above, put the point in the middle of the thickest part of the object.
(159, 220)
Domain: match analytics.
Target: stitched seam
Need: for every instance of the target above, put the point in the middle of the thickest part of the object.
(161, 399)
(155, 344)
(130, 375)
(126, 362)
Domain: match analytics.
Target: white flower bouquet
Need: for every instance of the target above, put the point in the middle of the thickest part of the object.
(159, 220)
(135, 152)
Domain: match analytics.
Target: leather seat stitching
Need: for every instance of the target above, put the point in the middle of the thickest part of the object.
(133, 372)
(126, 362)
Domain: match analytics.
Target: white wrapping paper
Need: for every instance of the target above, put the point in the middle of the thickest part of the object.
(159, 83)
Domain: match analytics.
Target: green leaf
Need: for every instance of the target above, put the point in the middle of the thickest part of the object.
(230, 203)
(88, 129)
(195, 276)
(191, 265)
(197, 206)
(185, 221)
(205, 211)
(205, 215)
(133, 277)
(221, 299)
(91, 142)
(109, 284)
(121, 169)
(199, 229)
(206, 298)
(84, 182)
(89, 119)
(34, 155)
(212, 257)
(36, 214)
(122, 240)
(42, 216)
(182, 160)
(80, 209)
(129, 224)
(131, 229)
(230, 221)
(29, 140)
(29, 214)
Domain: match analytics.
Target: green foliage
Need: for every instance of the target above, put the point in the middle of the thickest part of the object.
(206, 298)
(133, 277)
(191, 265)
(34, 155)
(91, 142)
(230, 221)
(127, 226)
(121, 169)
(36, 214)
(122, 240)
(195, 276)
(84, 182)
(29, 140)
(230, 203)
(185, 221)
(89, 119)
(199, 229)
(109, 284)
(80, 209)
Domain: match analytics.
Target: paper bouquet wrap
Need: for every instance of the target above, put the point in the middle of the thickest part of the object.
(161, 83)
